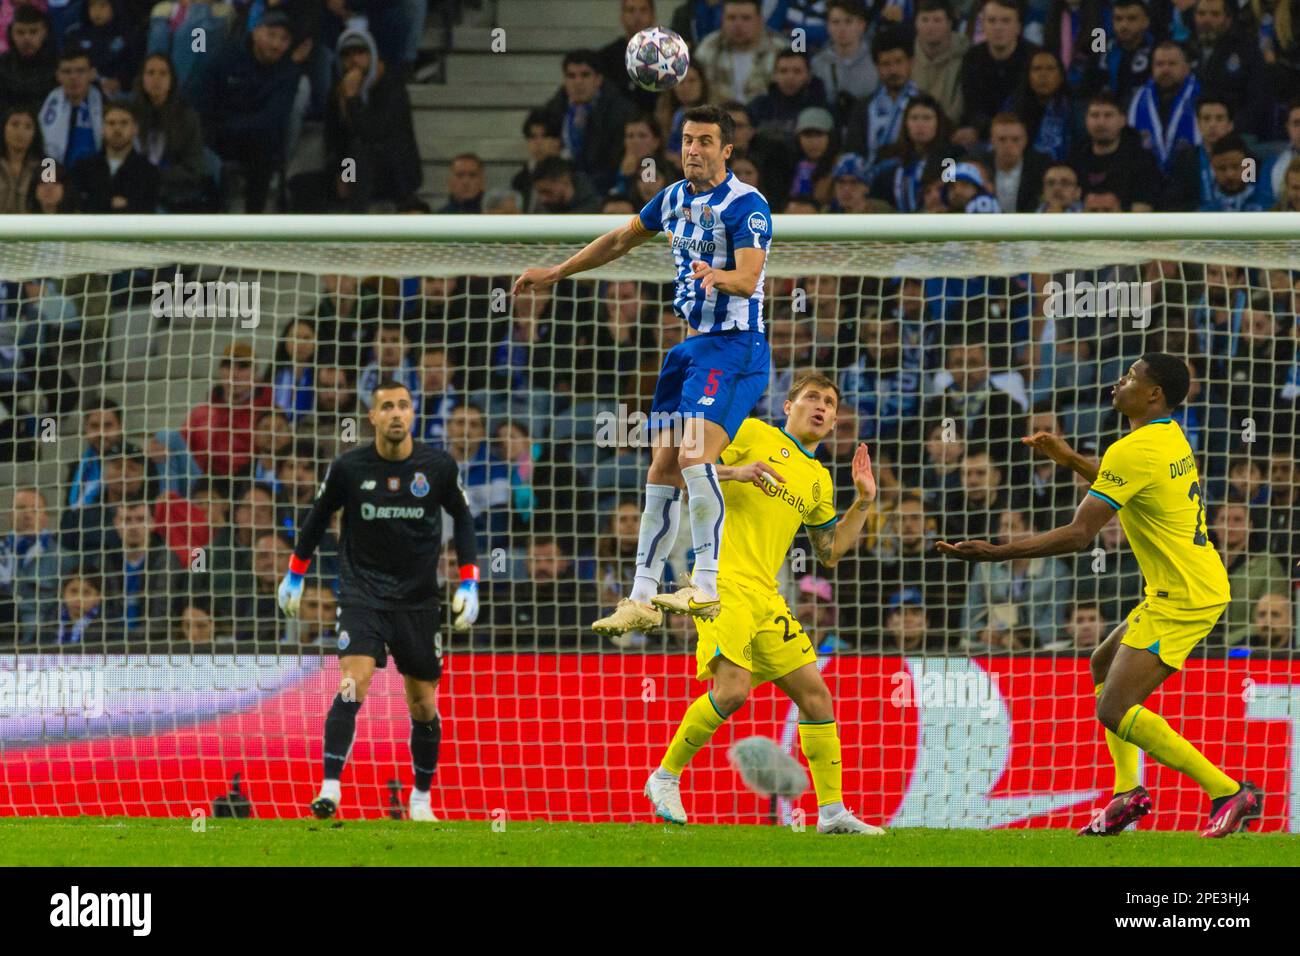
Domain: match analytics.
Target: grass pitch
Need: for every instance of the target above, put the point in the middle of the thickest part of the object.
(100, 841)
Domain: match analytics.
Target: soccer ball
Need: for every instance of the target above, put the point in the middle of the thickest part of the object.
(657, 59)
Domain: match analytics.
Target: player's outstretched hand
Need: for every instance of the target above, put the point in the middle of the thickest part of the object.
(760, 474)
(969, 550)
(1050, 444)
(290, 594)
(703, 272)
(464, 604)
(863, 478)
(531, 280)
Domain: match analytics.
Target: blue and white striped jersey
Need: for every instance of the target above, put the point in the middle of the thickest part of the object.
(710, 227)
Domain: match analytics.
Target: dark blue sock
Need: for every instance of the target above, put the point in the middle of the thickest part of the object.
(340, 727)
(425, 738)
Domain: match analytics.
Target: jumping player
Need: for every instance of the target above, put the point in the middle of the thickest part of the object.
(1149, 477)
(719, 231)
(756, 638)
(393, 492)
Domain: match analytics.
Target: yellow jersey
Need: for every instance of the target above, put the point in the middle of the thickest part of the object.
(1149, 476)
(761, 524)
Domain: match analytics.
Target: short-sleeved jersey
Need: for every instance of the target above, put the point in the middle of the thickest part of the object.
(390, 533)
(761, 525)
(710, 227)
(1150, 477)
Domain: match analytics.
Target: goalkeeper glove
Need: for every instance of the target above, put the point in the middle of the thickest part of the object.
(290, 592)
(464, 603)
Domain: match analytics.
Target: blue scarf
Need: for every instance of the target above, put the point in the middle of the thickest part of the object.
(70, 631)
(85, 483)
(1053, 136)
(1157, 135)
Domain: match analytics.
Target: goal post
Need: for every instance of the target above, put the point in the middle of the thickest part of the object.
(173, 387)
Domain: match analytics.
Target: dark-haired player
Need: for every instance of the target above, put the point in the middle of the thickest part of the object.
(719, 230)
(1149, 476)
(392, 493)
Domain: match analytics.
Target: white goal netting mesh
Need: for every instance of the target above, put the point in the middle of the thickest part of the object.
(169, 409)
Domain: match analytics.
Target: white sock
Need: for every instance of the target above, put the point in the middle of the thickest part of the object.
(330, 790)
(663, 774)
(419, 796)
(707, 516)
(830, 810)
(659, 523)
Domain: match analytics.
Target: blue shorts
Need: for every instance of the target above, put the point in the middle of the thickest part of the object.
(719, 376)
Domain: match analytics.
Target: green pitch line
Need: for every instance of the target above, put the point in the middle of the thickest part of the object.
(99, 841)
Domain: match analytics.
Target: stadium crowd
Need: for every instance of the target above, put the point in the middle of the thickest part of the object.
(178, 538)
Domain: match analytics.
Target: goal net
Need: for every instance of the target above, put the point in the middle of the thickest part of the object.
(171, 393)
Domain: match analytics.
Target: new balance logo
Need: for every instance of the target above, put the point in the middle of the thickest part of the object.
(368, 485)
(706, 400)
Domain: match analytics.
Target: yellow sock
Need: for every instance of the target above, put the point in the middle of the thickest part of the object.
(697, 726)
(1125, 756)
(821, 747)
(1153, 734)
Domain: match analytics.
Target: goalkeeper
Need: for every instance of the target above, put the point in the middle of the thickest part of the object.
(393, 492)
(756, 638)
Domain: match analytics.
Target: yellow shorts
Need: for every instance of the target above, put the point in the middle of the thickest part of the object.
(757, 631)
(1169, 630)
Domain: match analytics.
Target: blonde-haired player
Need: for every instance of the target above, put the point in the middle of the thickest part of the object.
(774, 486)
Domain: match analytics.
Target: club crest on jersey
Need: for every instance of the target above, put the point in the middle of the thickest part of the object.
(394, 484)
(817, 491)
(785, 452)
(344, 640)
(419, 485)
(757, 223)
(706, 216)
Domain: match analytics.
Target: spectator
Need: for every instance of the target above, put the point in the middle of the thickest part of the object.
(172, 462)
(1228, 62)
(218, 432)
(142, 578)
(845, 65)
(592, 116)
(1271, 628)
(195, 629)
(542, 139)
(297, 480)
(941, 467)
(52, 196)
(107, 39)
(1070, 31)
(1052, 497)
(884, 383)
(527, 349)
(670, 109)
(315, 624)
(466, 182)
(1252, 570)
(1289, 201)
(247, 97)
(906, 627)
(903, 555)
(815, 156)
(616, 552)
(878, 120)
(172, 29)
(72, 117)
(850, 182)
(816, 610)
(739, 59)
(642, 149)
(1047, 109)
(983, 493)
(1278, 169)
(917, 156)
(1060, 190)
(230, 559)
(185, 525)
(938, 55)
(272, 438)
(1110, 157)
(1125, 65)
(516, 448)
(634, 16)
(438, 396)
(118, 179)
(1102, 200)
(992, 71)
(547, 610)
(31, 564)
(339, 413)
(558, 188)
(20, 164)
(969, 190)
(503, 202)
(254, 611)
(1017, 170)
(1190, 183)
(170, 138)
(293, 369)
(1084, 627)
(390, 358)
(27, 68)
(484, 477)
(793, 89)
(1284, 504)
(1015, 605)
(618, 343)
(101, 429)
(80, 612)
(1235, 189)
(1163, 109)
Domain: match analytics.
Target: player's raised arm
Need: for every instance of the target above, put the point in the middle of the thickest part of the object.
(329, 499)
(606, 248)
(1091, 514)
(464, 603)
(834, 539)
(1058, 450)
